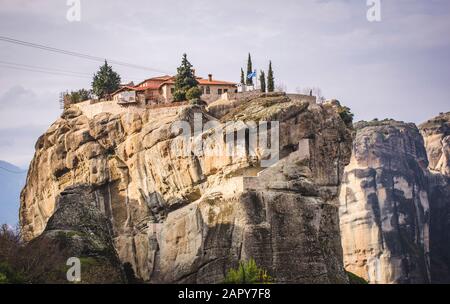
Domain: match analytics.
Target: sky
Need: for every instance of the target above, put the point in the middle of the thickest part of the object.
(396, 68)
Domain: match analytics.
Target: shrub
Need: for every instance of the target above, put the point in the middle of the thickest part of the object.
(346, 115)
(354, 279)
(198, 102)
(76, 96)
(39, 261)
(179, 96)
(247, 273)
(193, 93)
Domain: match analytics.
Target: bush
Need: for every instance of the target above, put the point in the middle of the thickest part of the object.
(198, 102)
(247, 273)
(76, 96)
(39, 261)
(346, 115)
(179, 96)
(354, 279)
(193, 93)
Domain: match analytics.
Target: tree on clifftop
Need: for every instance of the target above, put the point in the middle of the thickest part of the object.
(105, 81)
(184, 80)
(262, 81)
(270, 79)
(242, 77)
(249, 70)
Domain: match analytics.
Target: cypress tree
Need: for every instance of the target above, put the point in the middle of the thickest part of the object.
(270, 79)
(184, 80)
(242, 77)
(249, 70)
(262, 81)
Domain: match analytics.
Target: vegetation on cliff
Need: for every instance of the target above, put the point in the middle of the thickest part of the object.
(185, 81)
(105, 81)
(248, 273)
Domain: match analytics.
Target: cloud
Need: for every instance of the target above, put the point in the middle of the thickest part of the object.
(24, 116)
(17, 96)
(323, 43)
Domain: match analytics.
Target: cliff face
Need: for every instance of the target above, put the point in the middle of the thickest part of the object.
(189, 218)
(79, 229)
(436, 134)
(395, 202)
(384, 205)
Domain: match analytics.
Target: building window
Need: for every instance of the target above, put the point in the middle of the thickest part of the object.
(172, 90)
(208, 90)
(219, 91)
(203, 89)
(225, 90)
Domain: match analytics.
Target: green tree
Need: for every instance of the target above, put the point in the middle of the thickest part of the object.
(270, 79)
(242, 77)
(105, 81)
(247, 273)
(184, 80)
(262, 81)
(346, 115)
(193, 93)
(249, 70)
(77, 96)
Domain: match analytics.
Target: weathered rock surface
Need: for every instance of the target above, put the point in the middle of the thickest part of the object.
(190, 218)
(385, 209)
(81, 230)
(436, 134)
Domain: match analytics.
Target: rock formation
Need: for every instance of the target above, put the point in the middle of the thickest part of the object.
(189, 218)
(385, 209)
(395, 202)
(436, 134)
(81, 230)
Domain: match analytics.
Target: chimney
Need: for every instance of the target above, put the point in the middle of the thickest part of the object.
(209, 77)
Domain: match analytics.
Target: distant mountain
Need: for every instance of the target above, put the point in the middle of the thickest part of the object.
(12, 180)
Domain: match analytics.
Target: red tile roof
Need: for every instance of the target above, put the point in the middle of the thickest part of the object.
(128, 88)
(159, 78)
(158, 82)
(202, 81)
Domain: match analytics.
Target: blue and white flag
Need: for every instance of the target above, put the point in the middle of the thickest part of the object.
(251, 75)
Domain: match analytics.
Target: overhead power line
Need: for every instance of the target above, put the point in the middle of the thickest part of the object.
(46, 70)
(75, 54)
(43, 68)
(41, 71)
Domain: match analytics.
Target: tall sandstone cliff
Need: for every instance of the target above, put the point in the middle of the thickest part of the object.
(436, 134)
(190, 218)
(395, 202)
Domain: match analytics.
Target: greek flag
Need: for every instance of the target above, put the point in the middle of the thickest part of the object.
(251, 75)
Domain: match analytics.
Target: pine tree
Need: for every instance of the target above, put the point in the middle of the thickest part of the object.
(242, 77)
(249, 70)
(262, 81)
(105, 81)
(184, 80)
(270, 79)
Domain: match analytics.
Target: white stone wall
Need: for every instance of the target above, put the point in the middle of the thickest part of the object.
(110, 106)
